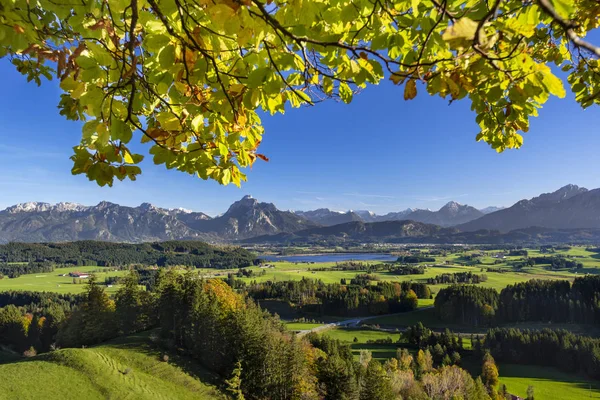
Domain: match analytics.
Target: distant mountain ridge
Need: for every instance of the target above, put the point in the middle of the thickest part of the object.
(43, 222)
(326, 217)
(570, 207)
(451, 214)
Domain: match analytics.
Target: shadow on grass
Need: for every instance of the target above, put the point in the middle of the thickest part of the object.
(142, 342)
(549, 374)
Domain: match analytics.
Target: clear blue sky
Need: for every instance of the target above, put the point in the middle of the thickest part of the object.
(378, 153)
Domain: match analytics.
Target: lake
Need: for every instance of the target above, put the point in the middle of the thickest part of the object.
(333, 257)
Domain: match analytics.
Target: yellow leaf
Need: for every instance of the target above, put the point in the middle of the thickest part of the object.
(462, 32)
(552, 83)
(127, 157)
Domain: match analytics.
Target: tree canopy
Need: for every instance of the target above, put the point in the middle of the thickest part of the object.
(189, 76)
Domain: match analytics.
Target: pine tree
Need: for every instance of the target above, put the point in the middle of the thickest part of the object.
(234, 384)
(376, 384)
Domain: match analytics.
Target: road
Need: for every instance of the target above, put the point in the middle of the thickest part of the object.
(355, 322)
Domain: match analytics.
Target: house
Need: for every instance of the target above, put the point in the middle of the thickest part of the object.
(81, 275)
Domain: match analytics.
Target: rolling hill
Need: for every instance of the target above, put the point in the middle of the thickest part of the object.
(126, 368)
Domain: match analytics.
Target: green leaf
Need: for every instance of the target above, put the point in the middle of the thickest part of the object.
(198, 123)
(564, 7)
(345, 92)
(223, 150)
(226, 177)
(103, 134)
(86, 62)
(120, 130)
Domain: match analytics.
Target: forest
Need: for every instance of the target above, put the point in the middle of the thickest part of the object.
(32, 267)
(163, 254)
(457, 277)
(248, 348)
(547, 347)
(535, 300)
(354, 299)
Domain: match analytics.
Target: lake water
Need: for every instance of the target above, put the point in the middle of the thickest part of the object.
(335, 257)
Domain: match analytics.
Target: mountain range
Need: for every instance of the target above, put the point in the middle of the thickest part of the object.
(550, 216)
(450, 214)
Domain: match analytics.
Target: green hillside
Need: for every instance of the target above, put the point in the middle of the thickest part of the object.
(128, 368)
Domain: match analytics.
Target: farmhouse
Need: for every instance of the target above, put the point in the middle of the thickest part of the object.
(81, 275)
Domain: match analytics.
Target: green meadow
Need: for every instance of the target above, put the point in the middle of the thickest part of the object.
(55, 282)
(126, 368)
(548, 383)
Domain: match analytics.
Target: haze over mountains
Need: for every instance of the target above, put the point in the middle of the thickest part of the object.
(451, 214)
(546, 217)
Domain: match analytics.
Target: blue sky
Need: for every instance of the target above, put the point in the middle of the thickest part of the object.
(378, 153)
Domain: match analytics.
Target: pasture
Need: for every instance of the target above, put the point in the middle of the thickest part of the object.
(55, 281)
(548, 383)
(126, 368)
(381, 352)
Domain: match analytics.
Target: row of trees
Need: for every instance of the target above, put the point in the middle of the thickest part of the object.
(415, 258)
(360, 297)
(558, 348)
(188, 253)
(31, 320)
(466, 304)
(534, 300)
(15, 270)
(457, 277)
(409, 270)
(556, 262)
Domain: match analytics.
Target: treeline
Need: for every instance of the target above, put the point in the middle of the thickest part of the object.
(457, 277)
(355, 266)
(556, 262)
(445, 348)
(32, 267)
(357, 298)
(466, 304)
(29, 321)
(535, 300)
(409, 270)
(415, 258)
(163, 254)
(558, 348)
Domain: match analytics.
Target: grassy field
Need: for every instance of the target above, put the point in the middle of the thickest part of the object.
(54, 282)
(548, 383)
(285, 270)
(381, 352)
(295, 271)
(300, 326)
(124, 369)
